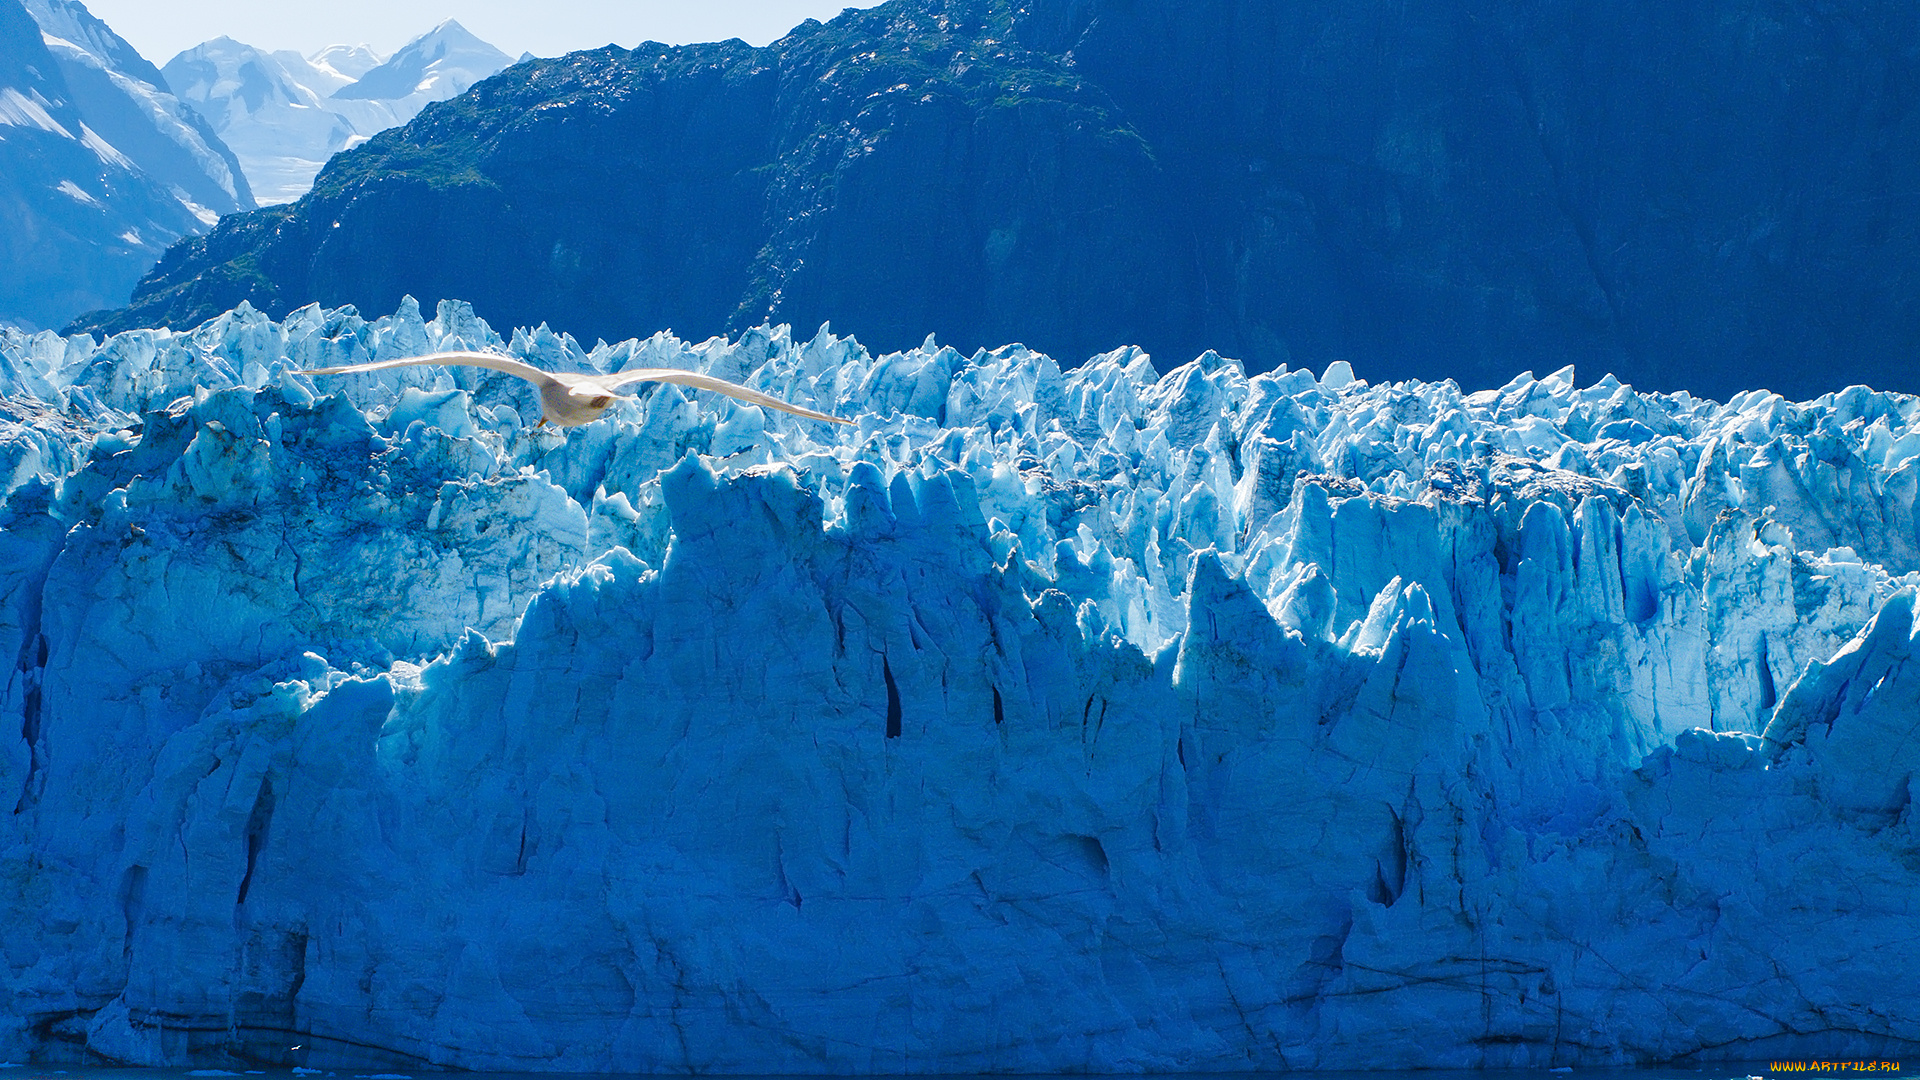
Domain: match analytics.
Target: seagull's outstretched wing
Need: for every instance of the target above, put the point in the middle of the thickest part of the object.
(593, 385)
(454, 359)
(583, 387)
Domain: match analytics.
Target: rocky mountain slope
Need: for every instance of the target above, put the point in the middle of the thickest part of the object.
(1041, 722)
(1715, 196)
(285, 114)
(101, 169)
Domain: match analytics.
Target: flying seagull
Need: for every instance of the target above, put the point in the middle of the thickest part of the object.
(569, 400)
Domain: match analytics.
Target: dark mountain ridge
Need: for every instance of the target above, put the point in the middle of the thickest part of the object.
(1711, 196)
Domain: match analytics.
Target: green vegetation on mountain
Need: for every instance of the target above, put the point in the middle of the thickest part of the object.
(1709, 196)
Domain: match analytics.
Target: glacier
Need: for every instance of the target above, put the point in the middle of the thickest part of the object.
(1047, 720)
(285, 115)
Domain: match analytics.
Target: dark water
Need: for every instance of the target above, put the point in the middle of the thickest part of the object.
(1759, 1070)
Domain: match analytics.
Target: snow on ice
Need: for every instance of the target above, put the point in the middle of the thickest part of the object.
(1089, 720)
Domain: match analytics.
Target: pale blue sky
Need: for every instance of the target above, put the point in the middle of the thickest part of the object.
(160, 28)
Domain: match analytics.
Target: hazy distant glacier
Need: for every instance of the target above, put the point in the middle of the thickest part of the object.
(285, 114)
(1085, 720)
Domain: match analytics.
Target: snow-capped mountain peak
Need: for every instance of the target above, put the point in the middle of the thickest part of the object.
(74, 25)
(224, 77)
(101, 165)
(335, 66)
(276, 122)
(448, 56)
(285, 114)
(127, 102)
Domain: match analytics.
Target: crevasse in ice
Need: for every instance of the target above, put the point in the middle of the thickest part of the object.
(1084, 720)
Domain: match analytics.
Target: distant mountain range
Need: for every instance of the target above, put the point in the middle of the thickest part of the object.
(101, 168)
(1715, 195)
(106, 161)
(285, 114)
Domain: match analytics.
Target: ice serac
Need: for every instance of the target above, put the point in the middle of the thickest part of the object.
(1043, 721)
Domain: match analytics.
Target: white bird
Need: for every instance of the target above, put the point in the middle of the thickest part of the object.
(570, 400)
